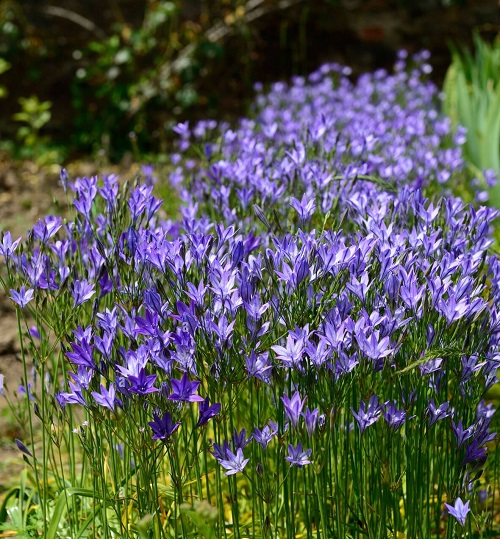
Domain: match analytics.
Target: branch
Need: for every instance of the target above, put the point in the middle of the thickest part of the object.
(76, 18)
(254, 9)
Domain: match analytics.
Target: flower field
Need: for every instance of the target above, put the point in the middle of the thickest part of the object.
(304, 352)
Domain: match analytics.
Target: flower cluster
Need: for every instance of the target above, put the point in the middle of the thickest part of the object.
(363, 295)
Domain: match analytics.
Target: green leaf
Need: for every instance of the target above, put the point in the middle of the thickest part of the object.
(199, 522)
(4, 66)
(61, 507)
(12, 493)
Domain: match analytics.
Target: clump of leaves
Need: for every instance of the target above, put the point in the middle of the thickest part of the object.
(472, 100)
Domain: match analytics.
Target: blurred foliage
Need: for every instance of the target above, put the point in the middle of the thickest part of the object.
(472, 100)
(29, 143)
(33, 116)
(156, 70)
(131, 70)
(4, 66)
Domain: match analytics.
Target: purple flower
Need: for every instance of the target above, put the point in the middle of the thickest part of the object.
(372, 347)
(35, 333)
(298, 457)
(138, 199)
(184, 390)
(73, 397)
(22, 447)
(366, 417)
(292, 354)
(259, 366)
(453, 310)
(293, 407)
(182, 129)
(82, 291)
(45, 229)
(104, 344)
(162, 427)
(63, 175)
(107, 397)
(147, 325)
(142, 383)
(108, 321)
(461, 434)
(394, 417)
(240, 439)
(23, 297)
(207, 412)
(459, 510)
(234, 463)
(7, 247)
(474, 452)
(410, 292)
(438, 413)
(305, 208)
(264, 436)
(430, 366)
(23, 390)
(83, 377)
(311, 420)
(220, 452)
(82, 354)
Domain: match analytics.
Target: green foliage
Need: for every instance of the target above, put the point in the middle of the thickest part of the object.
(472, 99)
(18, 512)
(34, 115)
(4, 66)
(121, 78)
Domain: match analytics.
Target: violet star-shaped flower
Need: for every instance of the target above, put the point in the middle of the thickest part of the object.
(23, 297)
(107, 398)
(220, 451)
(162, 427)
(367, 415)
(184, 390)
(435, 414)
(298, 457)
(234, 463)
(293, 407)
(311, 420)
(82, 354)
(7, 246)
(395, 417)
(305, 207)
(240, 440)
(82, 291)
(207, 412)
(264, 436)
(461, 434)
(142, 383)
(46, 228)
(459, 510)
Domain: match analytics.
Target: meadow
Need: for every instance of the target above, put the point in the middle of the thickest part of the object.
(306, 348)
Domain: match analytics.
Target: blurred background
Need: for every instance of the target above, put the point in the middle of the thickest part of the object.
(109, 79)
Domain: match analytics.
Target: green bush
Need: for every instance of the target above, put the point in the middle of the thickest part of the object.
(472, 100)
